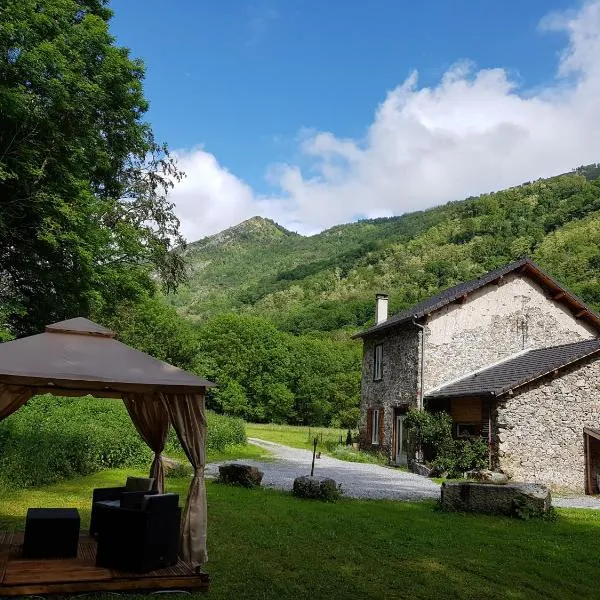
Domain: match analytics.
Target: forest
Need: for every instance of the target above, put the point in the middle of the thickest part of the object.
(87, 229)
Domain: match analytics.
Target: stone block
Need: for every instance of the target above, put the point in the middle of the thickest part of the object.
(487, 476)
(419, 468)
(240, 474)
(319, 488)
(513, 499)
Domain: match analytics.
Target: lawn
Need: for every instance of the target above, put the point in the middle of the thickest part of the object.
(266, 544)
(233, 452)
(295, 436)
(328, 440)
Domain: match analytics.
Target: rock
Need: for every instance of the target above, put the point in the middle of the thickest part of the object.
(419, 468)
(487, 476)
(170, 464)
(240, 474)
(513, 499)
(175, 468)
(320, 488)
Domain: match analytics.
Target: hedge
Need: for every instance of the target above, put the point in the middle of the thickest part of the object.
(52, 438)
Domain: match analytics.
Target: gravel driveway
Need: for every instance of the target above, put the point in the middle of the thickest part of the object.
(358, 480)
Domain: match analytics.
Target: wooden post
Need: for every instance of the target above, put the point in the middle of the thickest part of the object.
(312, 468)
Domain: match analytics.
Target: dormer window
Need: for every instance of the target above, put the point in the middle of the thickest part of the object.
(378, 366)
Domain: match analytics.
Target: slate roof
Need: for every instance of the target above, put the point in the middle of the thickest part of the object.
(457, 292)
(503, 377)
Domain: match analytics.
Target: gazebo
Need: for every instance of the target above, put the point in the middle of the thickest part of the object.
(78, 357)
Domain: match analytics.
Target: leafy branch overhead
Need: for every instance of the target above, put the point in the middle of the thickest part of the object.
(85, 218)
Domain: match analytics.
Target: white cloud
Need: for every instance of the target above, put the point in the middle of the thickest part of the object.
(474, 132)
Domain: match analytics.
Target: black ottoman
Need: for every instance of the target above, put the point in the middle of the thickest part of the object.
(51, 533)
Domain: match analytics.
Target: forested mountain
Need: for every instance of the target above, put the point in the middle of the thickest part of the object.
(327, 282)
(273, 311)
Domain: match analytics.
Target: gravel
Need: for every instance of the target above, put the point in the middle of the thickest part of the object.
(360, 480)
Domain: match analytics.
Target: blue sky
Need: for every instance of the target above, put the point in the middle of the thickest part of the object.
(255, 85)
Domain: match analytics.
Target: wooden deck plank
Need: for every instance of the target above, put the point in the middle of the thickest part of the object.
(51, 571)
(20, 577)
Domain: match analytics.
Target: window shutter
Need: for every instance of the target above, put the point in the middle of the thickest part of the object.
(369, 425)
(381, 427)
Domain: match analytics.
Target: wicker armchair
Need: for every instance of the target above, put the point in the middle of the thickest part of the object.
(140, 539)
(129, 496)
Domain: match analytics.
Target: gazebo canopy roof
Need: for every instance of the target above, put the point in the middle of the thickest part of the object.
(81, 355)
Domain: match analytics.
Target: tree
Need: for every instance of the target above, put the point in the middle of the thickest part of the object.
(84, 214)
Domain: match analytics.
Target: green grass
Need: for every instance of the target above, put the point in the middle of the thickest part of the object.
(266, 544)
(239, 452)
(343, 452)
(295, 436)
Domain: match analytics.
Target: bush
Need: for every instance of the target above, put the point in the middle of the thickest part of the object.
(360, 456)
(51, 439)
(432, 434)
(464, 455)
(223, 431)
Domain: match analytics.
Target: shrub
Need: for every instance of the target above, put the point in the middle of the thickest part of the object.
(51, 439)
(360, 456)
(223, 431)
(432, 434)
(464, 455)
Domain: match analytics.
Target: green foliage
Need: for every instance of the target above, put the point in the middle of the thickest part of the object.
(151, 326)
(524, 510)
(84, 218)
(51, 438)
(349, 454)
(462, 456)
(223, 432)
(266, 375)
(431, 432)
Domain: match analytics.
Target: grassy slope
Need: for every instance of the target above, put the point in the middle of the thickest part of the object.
(265, 544)
(294, 436)
(302, 437)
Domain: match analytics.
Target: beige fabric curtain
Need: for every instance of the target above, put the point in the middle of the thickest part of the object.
(12, 397)
(151, 419)
(188, 418)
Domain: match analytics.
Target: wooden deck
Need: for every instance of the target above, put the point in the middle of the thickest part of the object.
(20, 577)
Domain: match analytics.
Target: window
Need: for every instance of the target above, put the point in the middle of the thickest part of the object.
(378, 367)
(375, 427)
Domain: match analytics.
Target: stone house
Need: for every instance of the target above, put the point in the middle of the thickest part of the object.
(513, 357)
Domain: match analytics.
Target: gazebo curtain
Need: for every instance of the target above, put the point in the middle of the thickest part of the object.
(151, 419)
(186, 412)
(12, 397)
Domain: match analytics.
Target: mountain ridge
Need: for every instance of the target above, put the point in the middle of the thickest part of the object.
(326, 282)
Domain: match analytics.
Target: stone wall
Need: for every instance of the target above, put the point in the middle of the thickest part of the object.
(399, 383)
(530, 498)
(539, 430)
(494, 323)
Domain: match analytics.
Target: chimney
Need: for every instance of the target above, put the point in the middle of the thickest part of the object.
(381, 308)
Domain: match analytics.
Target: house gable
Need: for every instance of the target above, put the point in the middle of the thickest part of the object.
(461, 292)
(493, 323)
